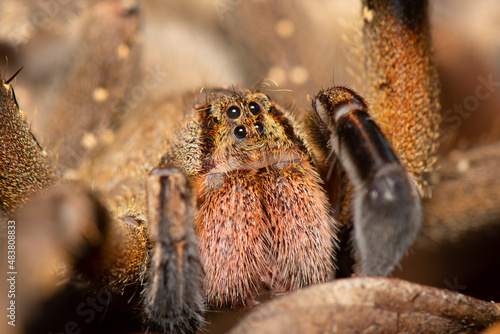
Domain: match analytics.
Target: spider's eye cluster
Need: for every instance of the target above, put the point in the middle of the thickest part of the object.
(233, 112)
(241, 131)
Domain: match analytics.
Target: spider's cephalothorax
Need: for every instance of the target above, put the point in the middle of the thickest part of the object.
(263, 217)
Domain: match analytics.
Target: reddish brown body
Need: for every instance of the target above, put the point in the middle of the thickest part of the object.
(263, 219)
(251, 233)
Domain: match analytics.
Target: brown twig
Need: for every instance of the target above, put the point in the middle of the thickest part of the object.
(374, 305)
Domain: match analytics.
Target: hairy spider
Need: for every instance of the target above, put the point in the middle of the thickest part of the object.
(241, 197)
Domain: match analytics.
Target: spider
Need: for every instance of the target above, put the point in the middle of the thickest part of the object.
(242, 197)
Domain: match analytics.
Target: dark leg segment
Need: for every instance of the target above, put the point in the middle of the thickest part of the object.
(386, 203)
(173, 300)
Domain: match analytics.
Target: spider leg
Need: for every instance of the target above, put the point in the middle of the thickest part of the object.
(387, 209)
(23, 167)
(402, 84)
(403, 89)
(88, 242)
(61, 227)
(173, 299)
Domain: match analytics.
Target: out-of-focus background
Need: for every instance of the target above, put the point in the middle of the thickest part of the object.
(296, 47)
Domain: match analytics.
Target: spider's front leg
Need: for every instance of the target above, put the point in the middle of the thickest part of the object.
(403, 89)
(173, 298)
(386, 205)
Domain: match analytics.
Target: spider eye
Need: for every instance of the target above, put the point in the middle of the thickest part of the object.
(259, 127)
(233, 112)
(254, 107)
(240, 132)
